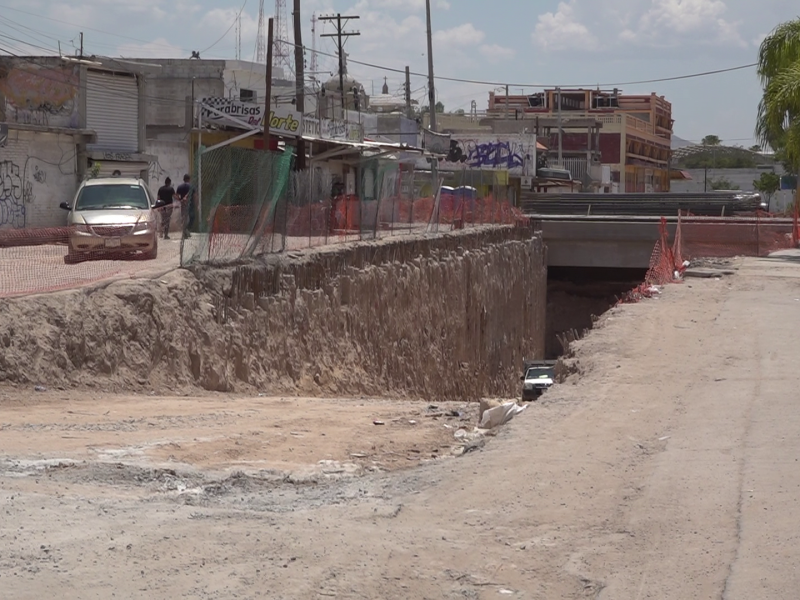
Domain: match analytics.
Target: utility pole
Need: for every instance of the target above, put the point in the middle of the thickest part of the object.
(268, 99)
(432, 111)
(341, 38)
(81, 44)
(560, 131)
(299, 81)
(506, 103)
(431, 87)
(408, 92)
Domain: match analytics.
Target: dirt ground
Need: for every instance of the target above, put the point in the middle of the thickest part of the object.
(667, 468)
(217, 435)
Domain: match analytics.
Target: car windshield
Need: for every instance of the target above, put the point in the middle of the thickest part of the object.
(539, 373)
(112, 196)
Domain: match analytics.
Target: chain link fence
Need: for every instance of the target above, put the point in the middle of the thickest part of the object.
(251, 202)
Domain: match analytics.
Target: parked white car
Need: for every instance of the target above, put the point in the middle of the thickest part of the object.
(112, 218)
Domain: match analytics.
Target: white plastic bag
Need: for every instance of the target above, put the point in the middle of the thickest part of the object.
(499, 415)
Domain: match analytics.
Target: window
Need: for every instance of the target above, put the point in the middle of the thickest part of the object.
(111, 196)
(247, 95)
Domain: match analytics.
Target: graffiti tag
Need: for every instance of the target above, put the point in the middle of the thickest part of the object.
(39, 175)
(493, 155)
(41, 96)
(121, 156)
(13, 191)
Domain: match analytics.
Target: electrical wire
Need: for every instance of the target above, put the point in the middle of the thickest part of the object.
(86, 28)
(539, 85)
(227, 31)
(439, 77)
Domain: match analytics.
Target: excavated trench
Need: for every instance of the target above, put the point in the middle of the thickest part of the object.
(577, 296)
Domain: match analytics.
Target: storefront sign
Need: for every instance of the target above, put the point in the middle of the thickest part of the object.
(248, 115)
(341, 130)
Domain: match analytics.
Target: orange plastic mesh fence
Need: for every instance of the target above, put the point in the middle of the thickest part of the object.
(306, 216)
(713, 237)
(35, 260)
(724, 238)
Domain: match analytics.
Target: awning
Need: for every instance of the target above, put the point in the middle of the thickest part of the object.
(340, 148)
(680, 175)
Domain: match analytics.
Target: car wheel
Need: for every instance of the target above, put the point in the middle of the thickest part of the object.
(73, 258)
(152, 254)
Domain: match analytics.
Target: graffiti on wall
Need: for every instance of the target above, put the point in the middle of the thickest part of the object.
(15, 192)
(498, 154)
(156, 173)
(36, 95)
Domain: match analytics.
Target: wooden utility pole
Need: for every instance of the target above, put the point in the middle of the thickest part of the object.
(431, 88)
(299, 81)
(268, 99)
(341, 38)
(408, 92)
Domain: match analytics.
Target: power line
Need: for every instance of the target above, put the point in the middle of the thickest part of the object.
(228, 30)
(438, 77)
(83, 27)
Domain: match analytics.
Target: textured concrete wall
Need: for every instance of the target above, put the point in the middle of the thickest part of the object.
(39, 91)
(433, 318)
(37, 173)
(172, 160)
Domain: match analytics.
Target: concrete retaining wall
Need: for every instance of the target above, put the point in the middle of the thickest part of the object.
(450, 317)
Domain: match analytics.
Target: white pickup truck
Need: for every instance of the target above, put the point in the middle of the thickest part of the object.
(537, 377)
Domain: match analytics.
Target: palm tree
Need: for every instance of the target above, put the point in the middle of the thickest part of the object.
(778, 122)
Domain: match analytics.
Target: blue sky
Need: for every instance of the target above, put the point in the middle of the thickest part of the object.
(520, 42)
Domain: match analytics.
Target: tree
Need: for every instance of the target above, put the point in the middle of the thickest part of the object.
(755, 148)
(459, 111)
(721, 183)
(778, 123)
(439, 107)
(711, 140)
(722, 158)
(767, 184)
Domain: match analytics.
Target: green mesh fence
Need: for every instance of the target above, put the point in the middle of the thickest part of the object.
(250, 202)
(238, 205)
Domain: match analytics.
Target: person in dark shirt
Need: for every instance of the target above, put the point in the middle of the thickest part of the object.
(166, 194)
(186, 196)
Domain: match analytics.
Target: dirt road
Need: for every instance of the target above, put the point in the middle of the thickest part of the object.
(667, 469)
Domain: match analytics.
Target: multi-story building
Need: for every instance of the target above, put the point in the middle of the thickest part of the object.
(634, 137)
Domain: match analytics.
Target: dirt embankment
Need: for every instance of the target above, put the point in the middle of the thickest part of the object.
(449, 317)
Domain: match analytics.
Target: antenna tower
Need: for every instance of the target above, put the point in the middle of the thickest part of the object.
(239, 37)
(280, 46)
(313, 67)
(261, 44)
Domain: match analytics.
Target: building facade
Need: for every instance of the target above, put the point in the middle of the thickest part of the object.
(635, 131)
(62, 118)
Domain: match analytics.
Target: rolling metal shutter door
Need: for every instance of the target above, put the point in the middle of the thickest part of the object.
(112, 111)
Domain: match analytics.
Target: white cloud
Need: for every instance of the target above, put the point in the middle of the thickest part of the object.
(407, 5)
(159, 48)
(626, 23)
(561, 30)
(462, 35)
(669, 22)
(497, 53)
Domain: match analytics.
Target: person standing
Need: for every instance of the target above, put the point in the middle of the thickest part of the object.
(186, 195)
(164, 198)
